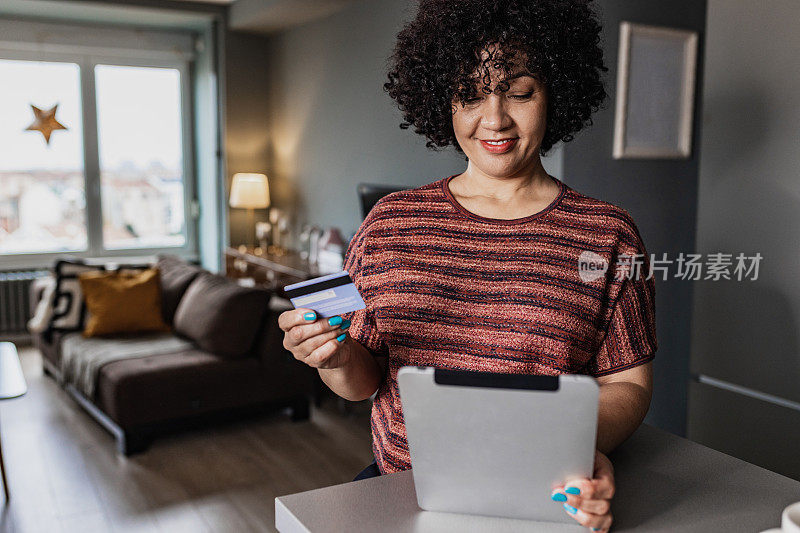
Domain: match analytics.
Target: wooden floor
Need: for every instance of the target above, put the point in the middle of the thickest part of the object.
(66, 476)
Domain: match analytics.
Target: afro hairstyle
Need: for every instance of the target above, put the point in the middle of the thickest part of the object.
(445, 53)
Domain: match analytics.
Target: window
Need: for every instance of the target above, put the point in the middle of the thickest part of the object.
(42, 187)
(118, 178)
(141, 167)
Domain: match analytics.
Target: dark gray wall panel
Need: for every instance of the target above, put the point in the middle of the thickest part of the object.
(746, 332)
(756, 431)
(660, 194)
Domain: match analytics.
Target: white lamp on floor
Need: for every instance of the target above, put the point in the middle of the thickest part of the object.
(250, 191)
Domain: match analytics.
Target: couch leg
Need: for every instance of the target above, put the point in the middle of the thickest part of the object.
(300, 409)
(130, 443)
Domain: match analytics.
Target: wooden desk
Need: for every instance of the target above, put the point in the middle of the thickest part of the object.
(664, 484)
(12, 385)
(270, 270)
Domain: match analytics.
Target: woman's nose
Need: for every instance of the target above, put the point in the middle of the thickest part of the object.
(495, 115)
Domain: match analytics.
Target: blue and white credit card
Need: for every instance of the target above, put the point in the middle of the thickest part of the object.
(329, 295)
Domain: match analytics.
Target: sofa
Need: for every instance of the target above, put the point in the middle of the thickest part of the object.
(223, 358)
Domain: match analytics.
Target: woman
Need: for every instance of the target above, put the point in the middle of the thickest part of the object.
(480, 270)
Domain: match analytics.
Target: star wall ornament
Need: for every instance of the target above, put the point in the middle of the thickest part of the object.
(45, 122)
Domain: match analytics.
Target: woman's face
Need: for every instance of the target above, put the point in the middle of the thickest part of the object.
(500, 133)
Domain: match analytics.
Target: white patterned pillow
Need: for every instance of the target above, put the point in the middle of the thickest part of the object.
(44, 309)
(69, 309)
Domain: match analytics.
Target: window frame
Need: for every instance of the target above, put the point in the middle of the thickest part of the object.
(91, 156)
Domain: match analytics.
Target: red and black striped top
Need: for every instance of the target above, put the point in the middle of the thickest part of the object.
(447, 288)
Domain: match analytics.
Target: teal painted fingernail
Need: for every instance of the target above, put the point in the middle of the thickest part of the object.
(559, 497)
(341, 337)
(570, 509)
(595, 529)
(310, 315)
(345, 324)
(335, 320)
(572, 490)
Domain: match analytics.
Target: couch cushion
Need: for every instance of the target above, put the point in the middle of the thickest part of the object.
(136, 392)
(82, 358)
(43, 292)
(69, 310)
(124, 301)
(68, 307)
(221, 316)
(176, 276)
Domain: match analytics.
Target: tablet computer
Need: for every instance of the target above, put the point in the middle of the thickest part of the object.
(497, 444)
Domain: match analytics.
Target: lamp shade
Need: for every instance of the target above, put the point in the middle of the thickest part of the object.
(250, 191)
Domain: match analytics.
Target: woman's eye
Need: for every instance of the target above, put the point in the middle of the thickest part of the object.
(521, 96)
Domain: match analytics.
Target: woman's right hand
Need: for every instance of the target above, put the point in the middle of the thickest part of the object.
(319, 343)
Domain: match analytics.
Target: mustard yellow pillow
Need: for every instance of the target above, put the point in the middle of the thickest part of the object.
(124, 301)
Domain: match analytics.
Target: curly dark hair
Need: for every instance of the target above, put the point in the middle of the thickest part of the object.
(438, 54)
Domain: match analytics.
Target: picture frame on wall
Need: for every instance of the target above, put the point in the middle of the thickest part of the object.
(655, 92)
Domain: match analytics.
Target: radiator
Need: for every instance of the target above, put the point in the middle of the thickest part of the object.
(15, 301)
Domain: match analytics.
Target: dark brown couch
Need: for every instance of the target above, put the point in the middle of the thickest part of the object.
(235, 363)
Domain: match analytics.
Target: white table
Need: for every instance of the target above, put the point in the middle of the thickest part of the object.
(664, 484)
(12, 385)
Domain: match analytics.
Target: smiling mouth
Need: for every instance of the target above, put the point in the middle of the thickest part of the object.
(498, 146)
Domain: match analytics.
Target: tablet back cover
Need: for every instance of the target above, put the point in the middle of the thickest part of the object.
(492, 445)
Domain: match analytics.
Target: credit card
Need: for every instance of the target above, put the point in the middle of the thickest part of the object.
(328, 296)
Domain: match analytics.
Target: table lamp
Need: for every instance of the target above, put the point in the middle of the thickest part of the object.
(250, 191)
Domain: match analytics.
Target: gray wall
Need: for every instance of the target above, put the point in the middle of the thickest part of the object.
(247, 146)
(660, 194)
(746, 332)
(333, 126)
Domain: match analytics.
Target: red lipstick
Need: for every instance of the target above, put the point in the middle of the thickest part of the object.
(499, 146)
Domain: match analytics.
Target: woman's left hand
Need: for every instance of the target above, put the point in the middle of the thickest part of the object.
(589, 500)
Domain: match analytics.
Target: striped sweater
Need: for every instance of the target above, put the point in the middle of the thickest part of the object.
(448, 288)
